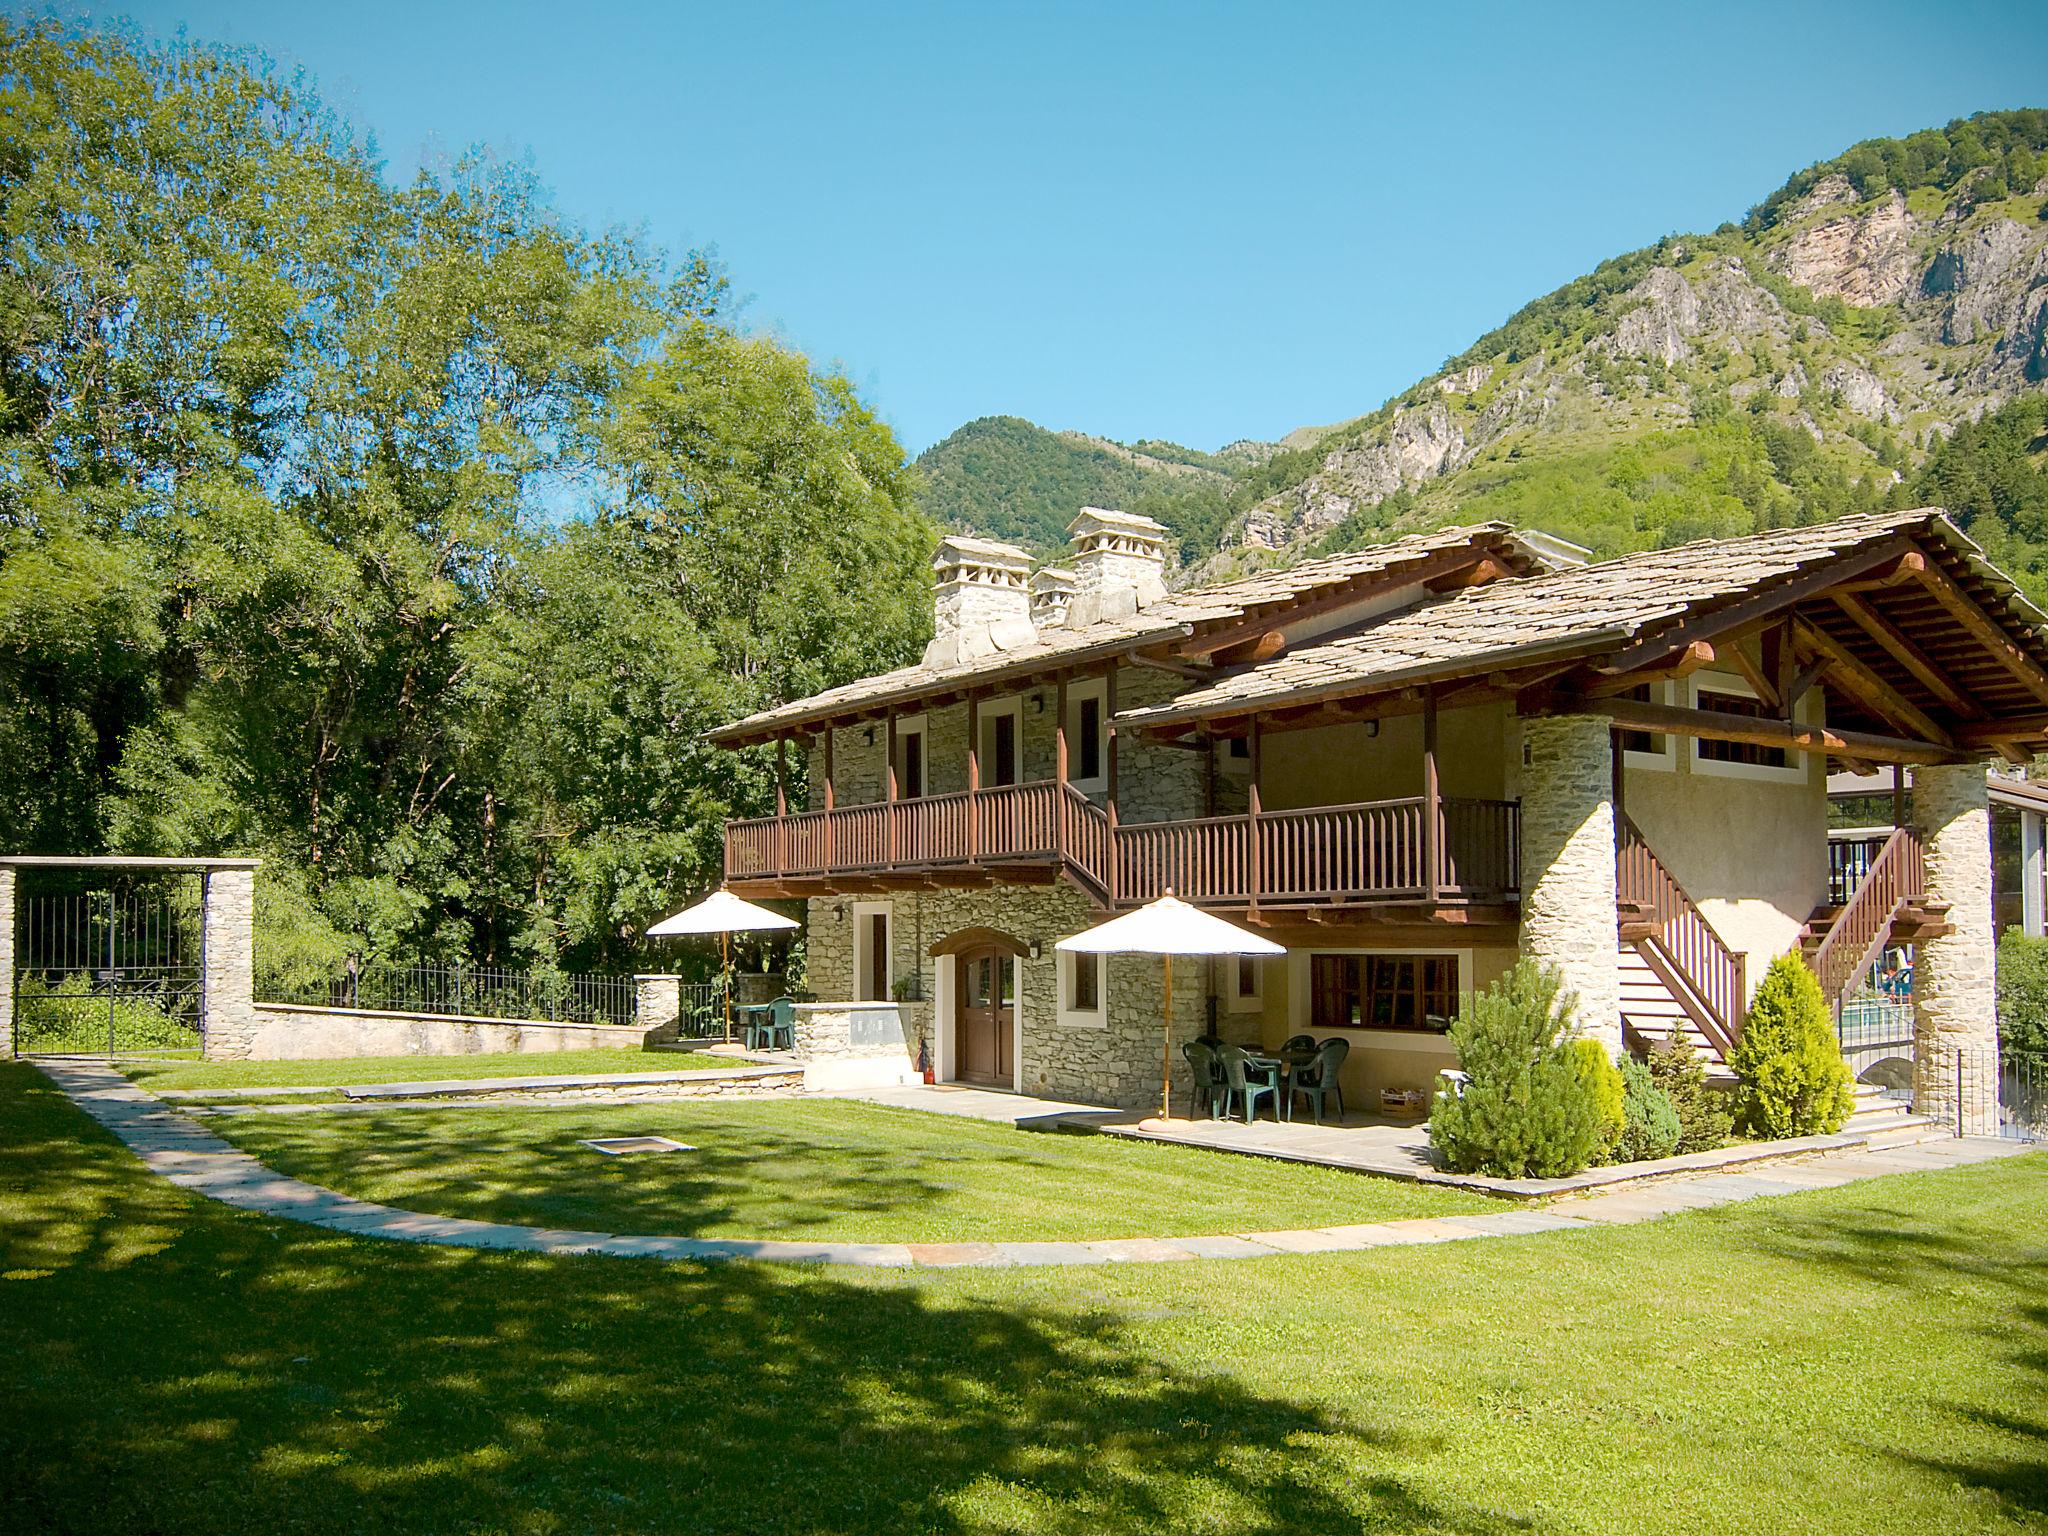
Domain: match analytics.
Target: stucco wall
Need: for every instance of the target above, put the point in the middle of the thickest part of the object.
(284, 1032)
(1343, 764)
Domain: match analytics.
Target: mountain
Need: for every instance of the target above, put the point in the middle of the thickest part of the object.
(1005, 478)
(1807, 362)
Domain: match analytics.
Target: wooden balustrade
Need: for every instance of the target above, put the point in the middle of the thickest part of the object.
(1693, 957)
(1368, 852)
(1897, 875)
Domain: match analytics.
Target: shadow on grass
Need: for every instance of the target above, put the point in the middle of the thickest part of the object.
(1883, 1246)
(172, 1366)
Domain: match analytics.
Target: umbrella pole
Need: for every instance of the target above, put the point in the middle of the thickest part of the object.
(1166, 1055)
(725, 962)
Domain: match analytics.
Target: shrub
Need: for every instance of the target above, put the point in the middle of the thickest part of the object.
(1792, 1079)
(1597, 1071)
(1703, 1118)
(1649, 1121)
(1527, 1110)
(69, 1016)
(2022, 993)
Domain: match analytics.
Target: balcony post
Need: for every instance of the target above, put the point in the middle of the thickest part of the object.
(973, 778)
(1253, 874)
(1059, 767)
(1109, 735)
(889, 786)
(781, 841)
(831, 797)
(1898, 794)
(1432, 803)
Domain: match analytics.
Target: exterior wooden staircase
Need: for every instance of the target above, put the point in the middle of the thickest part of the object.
(1677, 976)
(1888, 906)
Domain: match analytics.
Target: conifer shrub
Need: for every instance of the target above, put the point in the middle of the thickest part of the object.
(1678, 1068)
(1792, 1080)
(1649, 1120)
(1603, 1082)
(1527, 1111)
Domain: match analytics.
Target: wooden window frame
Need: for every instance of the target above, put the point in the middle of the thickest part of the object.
(1797, 767)
(864, 984)
(1306, 1015)
(1067, 967)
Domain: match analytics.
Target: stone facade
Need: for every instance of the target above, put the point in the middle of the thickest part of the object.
(227, 926)
(1955, 993)
(6, 960)
(1569, 897)
(1114, 1062)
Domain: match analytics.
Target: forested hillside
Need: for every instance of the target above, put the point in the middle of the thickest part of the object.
(1800, 365)
(408, 537)
(1005, 478)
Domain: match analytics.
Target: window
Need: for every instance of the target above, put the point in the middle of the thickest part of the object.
(871, 962)
(1738, 751)
(1648, 749)
(1001, 735)
(1088, 735)
(1415, 992)
(1246, 985)
(910, 760)
(1726, 694)
(1085, 995)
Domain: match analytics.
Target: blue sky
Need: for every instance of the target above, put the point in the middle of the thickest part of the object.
(1199, 222)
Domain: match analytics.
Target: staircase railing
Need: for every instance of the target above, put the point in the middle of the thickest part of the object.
(1708, 978)
(1896, 876)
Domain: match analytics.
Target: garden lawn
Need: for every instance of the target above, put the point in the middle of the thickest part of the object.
(1869, 1359)
(353, 1070)
(813, 1169)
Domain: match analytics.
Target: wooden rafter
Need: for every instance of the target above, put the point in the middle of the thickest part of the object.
(1854, 677)
(1752, 674)
(1444, 565)
(1906, 654)
(1985, 630)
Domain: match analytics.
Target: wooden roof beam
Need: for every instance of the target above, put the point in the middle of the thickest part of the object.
(1908, 655)
(1713, 725)
(1985, 630)
(1878, 695)
(1443, 565)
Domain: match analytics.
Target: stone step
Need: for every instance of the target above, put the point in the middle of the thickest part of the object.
(1906, 1132)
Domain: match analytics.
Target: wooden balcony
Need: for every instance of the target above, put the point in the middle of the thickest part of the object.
(1383, 851)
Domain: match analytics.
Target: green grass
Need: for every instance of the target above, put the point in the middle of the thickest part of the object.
(1868, 1359)
(350, 1071)
(812, 1169)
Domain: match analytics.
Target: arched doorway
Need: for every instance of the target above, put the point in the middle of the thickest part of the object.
(985, 1017)
(977, 1018)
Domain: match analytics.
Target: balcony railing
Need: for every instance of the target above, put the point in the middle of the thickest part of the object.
(1377, 851)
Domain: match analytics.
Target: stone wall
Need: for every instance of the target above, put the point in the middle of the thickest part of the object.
(227, 926)
(658, 1005)
(1117, 1062)
(289, 1032)
(1569, 899)
(853, 1045)
(1955, 992)
(742, 1083)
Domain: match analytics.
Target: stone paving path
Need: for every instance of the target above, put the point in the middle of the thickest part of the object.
(180, 1150)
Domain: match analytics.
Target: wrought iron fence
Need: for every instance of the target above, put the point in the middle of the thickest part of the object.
(2023, 1096)
(108, 972)
(485, 992)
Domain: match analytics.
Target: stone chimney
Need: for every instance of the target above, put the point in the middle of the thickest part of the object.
(1052, 588)
(1119, 564)
(982, 603)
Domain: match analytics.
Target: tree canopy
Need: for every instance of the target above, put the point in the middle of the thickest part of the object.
(405, 535)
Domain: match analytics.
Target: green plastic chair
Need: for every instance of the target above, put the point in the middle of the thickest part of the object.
(1318, 1080)
(781, 1026)
(1208, 1074)
(1248, 1084)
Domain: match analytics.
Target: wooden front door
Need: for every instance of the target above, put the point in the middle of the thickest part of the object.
(985, 1011)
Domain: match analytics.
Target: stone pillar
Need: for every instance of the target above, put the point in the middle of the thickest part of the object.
(658, 1005)
(1955, 985)
(1568, 893)
(6, 959)
(227, 928)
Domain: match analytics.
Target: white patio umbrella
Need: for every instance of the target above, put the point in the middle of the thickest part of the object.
(1168, 927)
(724, 914)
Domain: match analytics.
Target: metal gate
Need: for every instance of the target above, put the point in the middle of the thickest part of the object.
(110, 972)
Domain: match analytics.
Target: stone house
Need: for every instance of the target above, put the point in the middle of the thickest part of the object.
(1408, 765)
